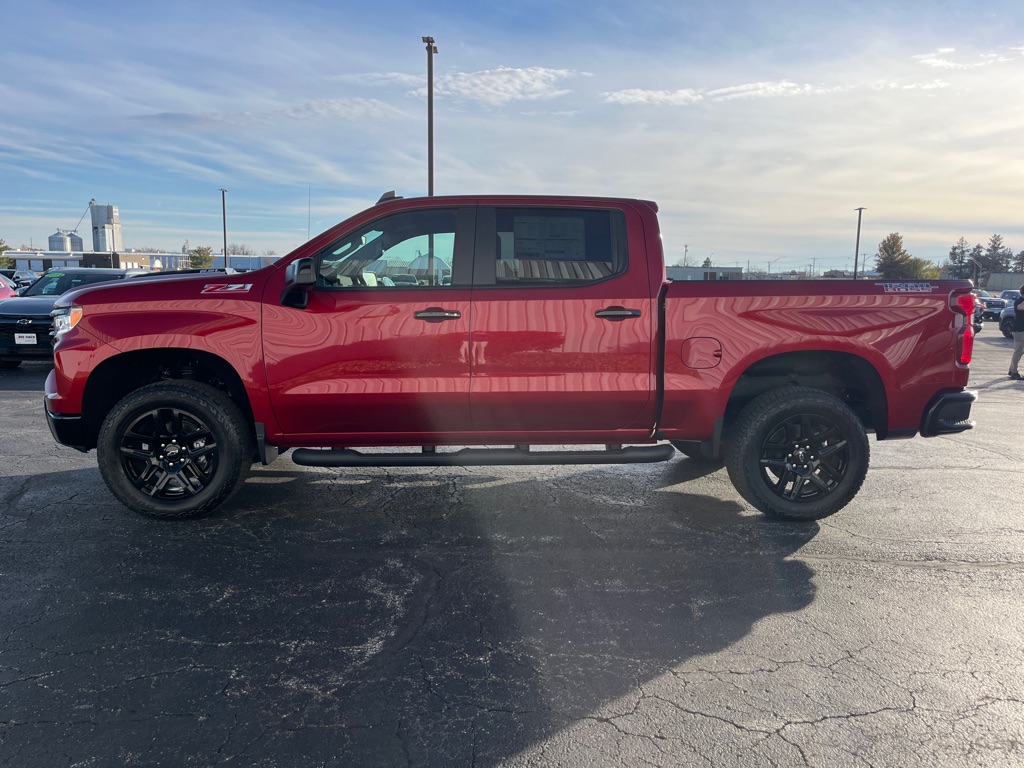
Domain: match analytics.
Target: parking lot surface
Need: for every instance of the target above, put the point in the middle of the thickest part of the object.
(563, 616)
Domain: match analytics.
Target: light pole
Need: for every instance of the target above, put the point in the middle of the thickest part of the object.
(431, 50)
(224, 219)
(856, 250)
(977, 271)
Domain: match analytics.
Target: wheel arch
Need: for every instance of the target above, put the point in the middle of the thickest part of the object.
(848, 377)
(117, 376)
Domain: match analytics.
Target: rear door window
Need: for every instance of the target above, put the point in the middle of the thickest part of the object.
(536, 246)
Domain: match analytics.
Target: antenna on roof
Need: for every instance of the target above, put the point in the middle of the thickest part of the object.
(389, 195)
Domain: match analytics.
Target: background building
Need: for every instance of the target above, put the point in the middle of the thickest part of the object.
(66, 240)
(678, 273)
(106, 229)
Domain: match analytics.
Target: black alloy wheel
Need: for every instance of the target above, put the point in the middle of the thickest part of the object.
(798, 453)
(169, 453)
(174, 449)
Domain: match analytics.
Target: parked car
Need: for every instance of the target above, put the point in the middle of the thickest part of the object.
(8, 287)
(1006, 320)
(25, 320)
(993, 304)
(21, 277)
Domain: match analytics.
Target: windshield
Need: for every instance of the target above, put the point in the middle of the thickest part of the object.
(56, 283)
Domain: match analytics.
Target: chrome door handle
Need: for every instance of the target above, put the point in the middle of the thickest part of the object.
(436, 314)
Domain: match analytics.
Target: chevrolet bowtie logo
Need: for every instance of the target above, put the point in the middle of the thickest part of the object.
(24, 321)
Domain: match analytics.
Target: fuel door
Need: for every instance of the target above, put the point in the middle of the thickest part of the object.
(701, 352)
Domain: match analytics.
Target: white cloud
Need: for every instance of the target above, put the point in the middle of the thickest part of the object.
(929, 86)
(503, 85)
(939, 59)
(318, 109)
(642, 96)
(685, 96)
(765, 90)
(376, 79)
(344, 108)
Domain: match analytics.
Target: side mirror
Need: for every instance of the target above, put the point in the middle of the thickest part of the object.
(298, 276)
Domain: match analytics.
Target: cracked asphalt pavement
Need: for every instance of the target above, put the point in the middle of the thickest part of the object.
(562, 616)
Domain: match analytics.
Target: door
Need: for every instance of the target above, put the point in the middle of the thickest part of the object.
(382, 346)
(563, 322)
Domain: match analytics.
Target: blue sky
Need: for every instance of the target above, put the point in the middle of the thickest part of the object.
(758, 127)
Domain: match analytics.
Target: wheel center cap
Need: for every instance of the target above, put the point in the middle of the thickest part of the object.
(172, 451)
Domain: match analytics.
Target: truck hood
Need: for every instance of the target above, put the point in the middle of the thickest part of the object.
(27, 306)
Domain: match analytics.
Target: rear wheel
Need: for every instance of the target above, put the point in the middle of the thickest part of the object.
(175, 449)
(797, 454)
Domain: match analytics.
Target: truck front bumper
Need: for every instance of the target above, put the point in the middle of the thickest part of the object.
(948, 414)
(66, 430)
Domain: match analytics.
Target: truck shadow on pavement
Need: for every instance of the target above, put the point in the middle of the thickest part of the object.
(382, 617)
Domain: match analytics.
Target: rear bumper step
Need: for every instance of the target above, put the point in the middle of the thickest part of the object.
(482, 457)
(948, 414)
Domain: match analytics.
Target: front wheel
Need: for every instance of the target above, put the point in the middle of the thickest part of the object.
(174, 450)
(1006, 327)
(797, 454)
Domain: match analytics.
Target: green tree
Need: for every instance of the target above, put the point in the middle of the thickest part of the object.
(892, 262)
(6, 262)
(997, 255)
(1018, 262)
(200, 258)
(922, 269)
(959, 266)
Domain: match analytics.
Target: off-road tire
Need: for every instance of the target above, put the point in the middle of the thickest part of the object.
(797, 453)
(174, 449)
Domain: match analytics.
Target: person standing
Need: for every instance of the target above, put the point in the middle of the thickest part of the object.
(1018, 335)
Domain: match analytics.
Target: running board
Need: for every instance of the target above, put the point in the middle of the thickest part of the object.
(482, 457)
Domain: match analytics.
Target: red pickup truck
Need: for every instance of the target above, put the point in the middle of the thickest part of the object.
(530, 330)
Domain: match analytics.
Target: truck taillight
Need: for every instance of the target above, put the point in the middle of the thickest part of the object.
(963, 304)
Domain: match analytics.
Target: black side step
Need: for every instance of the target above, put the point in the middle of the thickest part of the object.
(482, 457)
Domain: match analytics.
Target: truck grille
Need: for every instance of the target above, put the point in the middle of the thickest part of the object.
(12, 325)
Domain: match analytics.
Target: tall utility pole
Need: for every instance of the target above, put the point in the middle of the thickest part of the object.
(856, 250)
(224, 219)
(431, 50)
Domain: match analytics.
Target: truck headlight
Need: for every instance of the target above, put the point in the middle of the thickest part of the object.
(65, 318)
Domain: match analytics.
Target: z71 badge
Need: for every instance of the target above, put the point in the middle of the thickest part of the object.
(226, 288)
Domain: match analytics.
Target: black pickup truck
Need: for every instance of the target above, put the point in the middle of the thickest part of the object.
(25, 321)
